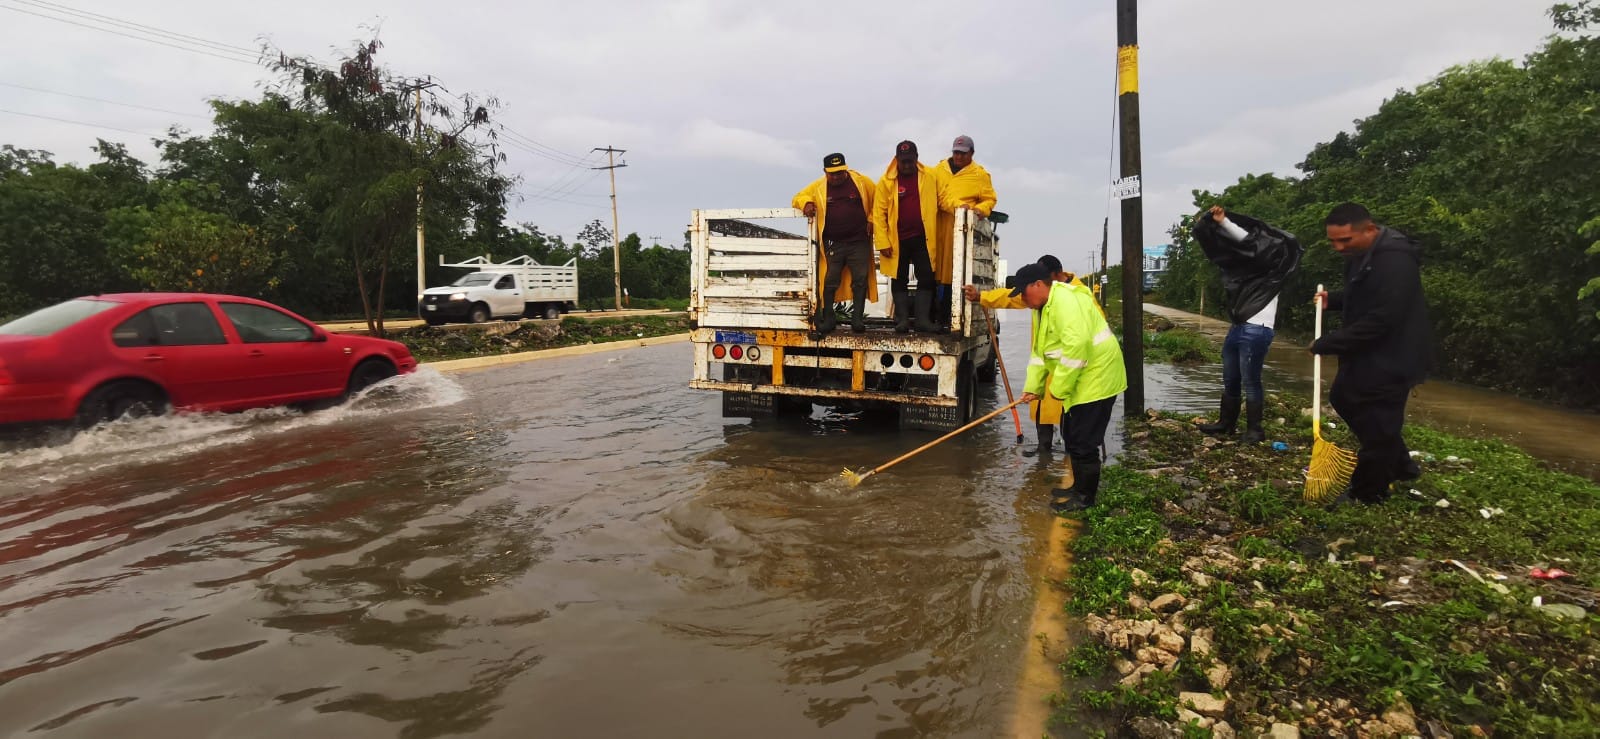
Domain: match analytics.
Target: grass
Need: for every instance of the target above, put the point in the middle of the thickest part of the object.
(433, 344)
(1388, 615)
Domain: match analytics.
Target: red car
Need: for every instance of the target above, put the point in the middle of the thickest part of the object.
(99, 358)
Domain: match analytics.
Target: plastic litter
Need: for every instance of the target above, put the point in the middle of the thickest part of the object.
(1497, 587)
(1565, 611)
(1279, 446)
(1415, 493)
(1442, 503)
(1405, 580)
(1489, 513)
(1394, 604)
(1538, 573)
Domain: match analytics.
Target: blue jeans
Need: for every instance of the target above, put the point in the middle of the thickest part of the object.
(1243, 353)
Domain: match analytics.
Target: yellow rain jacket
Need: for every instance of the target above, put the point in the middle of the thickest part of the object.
(1075, 358)
(817, 192)
(886, 215)
(1046, 409)
(970, 187)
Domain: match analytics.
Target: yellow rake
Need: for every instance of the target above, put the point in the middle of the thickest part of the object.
(1331, 466)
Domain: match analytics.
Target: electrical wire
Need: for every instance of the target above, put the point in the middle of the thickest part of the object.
(103, 100)
(79, 123)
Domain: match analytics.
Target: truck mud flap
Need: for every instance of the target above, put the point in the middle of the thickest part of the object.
(748, 405)
(929, 418)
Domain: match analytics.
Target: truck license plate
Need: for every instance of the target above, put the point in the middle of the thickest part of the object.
(735, 337)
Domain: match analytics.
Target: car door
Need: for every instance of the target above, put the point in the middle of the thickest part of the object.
(181, 345)
(288, 358)
(507, 296)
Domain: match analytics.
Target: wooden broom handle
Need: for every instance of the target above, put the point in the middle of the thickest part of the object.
(946, 437)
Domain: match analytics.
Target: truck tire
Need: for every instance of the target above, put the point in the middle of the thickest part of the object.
(552, 312)
(480, 313)
(989, 371)
(966, 392)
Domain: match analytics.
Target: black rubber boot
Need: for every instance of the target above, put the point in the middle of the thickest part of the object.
(1084, 491)
(1252, 423)
(826, 320)
(921, 317)
(1047, 436)
(858, 317)
(1227, 419)
(902, 313)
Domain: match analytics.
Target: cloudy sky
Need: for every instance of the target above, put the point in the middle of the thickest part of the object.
(731, 103)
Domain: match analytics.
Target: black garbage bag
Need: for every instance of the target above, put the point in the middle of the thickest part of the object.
(1253, 270)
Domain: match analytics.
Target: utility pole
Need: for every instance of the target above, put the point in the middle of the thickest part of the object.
(422, 283)
(616, 236)
(1130, 189)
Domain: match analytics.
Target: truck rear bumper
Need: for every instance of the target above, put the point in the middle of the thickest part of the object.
(827, 393)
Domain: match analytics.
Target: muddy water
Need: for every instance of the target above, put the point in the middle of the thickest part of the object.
(568, 548)
(1568, 440)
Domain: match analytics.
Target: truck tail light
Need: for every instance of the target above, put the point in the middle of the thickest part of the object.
(925, 362)
(719, 351)
(736, 352)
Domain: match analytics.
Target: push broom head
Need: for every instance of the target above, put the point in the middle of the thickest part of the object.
(1329, 471)
(851, 478)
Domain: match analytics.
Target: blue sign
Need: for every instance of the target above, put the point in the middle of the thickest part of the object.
(735, 337)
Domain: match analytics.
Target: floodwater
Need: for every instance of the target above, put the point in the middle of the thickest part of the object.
(577, 547)
(1568, 440)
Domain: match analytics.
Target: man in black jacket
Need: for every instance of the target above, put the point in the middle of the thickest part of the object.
(1382, 345)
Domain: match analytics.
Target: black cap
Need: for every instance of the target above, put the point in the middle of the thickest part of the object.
(1029, 274)
(833, 163)
(1051, 263)
(906, 150)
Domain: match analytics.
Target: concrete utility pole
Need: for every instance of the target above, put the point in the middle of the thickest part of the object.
(422, 278)
(616, 236)
(1130, 190)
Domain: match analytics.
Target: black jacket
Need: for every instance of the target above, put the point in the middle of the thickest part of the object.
(1385, 315)
(1253, 270)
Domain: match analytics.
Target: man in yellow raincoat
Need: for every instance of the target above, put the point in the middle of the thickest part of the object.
(841, 203)
(1046, 411)
(905, 214)
(1075, 359)
(962, 183)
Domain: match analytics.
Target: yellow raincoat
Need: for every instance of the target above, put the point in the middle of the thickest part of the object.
(970, 187)
(817, 192)
(886, 214)
(1047, 409)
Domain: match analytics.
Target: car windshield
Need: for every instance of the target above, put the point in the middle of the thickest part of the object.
(476, 279)
(56, 317)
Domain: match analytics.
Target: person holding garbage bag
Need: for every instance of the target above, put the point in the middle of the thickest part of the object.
(1255, 259)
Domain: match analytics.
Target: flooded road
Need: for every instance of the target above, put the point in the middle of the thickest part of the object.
(568, 548)
(1568, 440)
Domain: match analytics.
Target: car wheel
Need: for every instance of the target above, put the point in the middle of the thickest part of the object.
(552, 312)
(367, 374)
(480, 313)
(121, 399)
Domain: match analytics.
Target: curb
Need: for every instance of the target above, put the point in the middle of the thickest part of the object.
(472, 363)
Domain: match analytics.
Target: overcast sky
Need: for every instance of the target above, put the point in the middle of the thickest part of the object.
(731, 103)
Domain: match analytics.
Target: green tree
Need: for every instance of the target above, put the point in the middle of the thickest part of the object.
(179, 248)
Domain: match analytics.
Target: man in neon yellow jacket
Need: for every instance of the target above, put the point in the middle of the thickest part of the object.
(1046, 411)
(962, 183)
(905, 214)
(845, 254)
(1076, 359)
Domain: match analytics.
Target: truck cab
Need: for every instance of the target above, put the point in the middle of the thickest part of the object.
(754, 288)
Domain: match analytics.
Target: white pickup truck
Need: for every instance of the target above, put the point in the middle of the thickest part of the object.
(519, 288)
(753, 291)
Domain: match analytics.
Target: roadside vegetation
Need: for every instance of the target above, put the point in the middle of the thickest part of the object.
(432, 344)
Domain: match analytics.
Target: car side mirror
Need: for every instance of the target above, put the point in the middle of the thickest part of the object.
(319, 336)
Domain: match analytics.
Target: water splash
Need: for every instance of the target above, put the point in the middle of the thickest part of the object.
(177, 435)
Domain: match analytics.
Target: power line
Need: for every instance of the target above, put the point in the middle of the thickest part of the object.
(78, 123)
(191, 49)
(97, 17)
(102, 100)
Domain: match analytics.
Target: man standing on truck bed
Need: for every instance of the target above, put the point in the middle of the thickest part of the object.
(846, 240)
(1075, 351)
(962, 183)
(907, 189)
(1046, 411)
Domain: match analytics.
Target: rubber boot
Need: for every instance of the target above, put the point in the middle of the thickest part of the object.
(1047, 435)
(902, 313)
(826, 320)
(1252, 423)
(858, 316)
(921, 318)
(1227, 419)
(1084, 491)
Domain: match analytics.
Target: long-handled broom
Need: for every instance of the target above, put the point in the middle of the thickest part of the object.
(994, 346)
(1331, 466)
(856, 478)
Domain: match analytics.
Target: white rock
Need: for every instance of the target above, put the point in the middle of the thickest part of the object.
(1284, 731)
(1204, 704)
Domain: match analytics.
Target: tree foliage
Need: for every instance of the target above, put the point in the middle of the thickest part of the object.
(1495, 167)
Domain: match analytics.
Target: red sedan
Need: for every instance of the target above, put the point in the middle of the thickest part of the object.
(99, 358)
